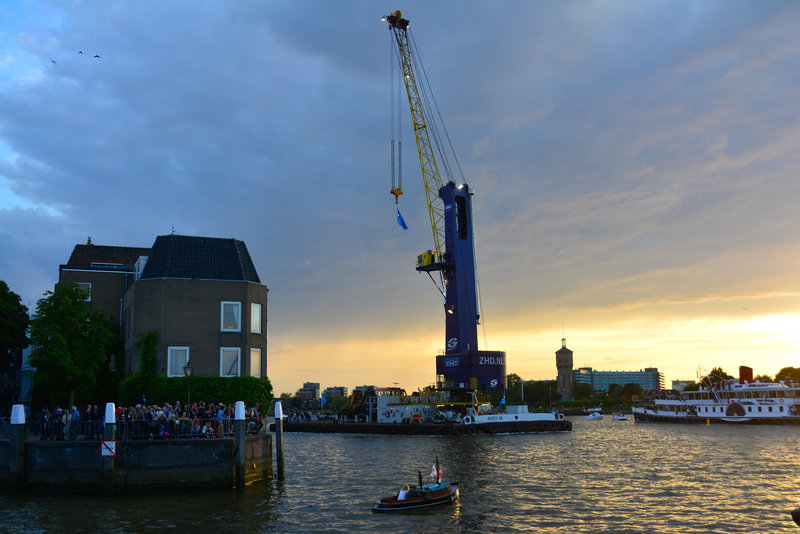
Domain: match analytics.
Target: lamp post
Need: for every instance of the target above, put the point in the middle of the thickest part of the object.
(187, 372)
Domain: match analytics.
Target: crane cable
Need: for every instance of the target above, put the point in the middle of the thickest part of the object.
(432, 104)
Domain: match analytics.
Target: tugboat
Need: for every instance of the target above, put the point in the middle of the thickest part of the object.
(413, 496)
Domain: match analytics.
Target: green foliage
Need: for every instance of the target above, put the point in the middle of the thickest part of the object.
(714, 376)
(788, 373)
(161, 389)
(692, 387)
(147, 346)
(70, 342)
(541, 392)
(582, 391)
(615, 391)
(336, 404)
(13, 325)
(631, 390)
(763, 378)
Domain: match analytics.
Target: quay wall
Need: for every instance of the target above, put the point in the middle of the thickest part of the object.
(431, 429)
(77, 466)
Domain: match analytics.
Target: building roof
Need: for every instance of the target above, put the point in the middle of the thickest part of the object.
(200, 258)
(83, 256)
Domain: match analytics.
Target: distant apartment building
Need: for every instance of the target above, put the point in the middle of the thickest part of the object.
(648, 378)
(204, 298)
(309, 391)
(333, 392)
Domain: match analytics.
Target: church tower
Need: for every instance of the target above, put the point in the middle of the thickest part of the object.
(565, 380)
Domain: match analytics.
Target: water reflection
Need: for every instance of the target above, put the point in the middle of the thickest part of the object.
(605, 476)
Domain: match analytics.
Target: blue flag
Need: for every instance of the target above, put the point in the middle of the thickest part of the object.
(400, 220)
(503, 400)
(322, 400)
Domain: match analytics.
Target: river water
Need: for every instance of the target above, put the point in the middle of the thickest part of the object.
(604, 476)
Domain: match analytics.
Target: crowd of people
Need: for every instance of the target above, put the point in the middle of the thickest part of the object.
(143, 421)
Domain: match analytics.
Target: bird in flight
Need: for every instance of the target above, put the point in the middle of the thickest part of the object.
(80, 51)
(98, 57)
(53, 61)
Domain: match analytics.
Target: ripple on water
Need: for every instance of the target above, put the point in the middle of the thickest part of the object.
(605, 476)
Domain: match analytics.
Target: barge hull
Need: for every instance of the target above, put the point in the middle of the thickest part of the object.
(428, 429)
(652, 418)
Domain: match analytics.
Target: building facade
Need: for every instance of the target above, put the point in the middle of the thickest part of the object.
(648, 378)
(309, 391)
(565, 380)
(106, 272)
(205, 300)
(333, 392)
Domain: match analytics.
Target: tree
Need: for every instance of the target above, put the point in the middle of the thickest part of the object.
(788, 373)
(614, 391)
(582, 391)
(763, 378)
(513, 381)
(13, 325)
(715, 376)
(70, 342)
(147, 354)
(631, 390)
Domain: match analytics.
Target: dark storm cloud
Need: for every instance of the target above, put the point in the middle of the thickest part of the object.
(606, 142)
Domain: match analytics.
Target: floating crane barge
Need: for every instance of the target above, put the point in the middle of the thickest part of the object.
(454, 406)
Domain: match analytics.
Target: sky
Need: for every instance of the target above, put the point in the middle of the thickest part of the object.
(634, 167)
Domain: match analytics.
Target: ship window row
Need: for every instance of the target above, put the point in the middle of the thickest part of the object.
(740, 394)
(749, 409)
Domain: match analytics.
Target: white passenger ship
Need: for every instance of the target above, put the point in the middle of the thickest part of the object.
(731, 401)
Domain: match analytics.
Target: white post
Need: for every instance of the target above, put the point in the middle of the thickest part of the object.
(18, 414)
(111, 414)
(239, 411)
(279, 437)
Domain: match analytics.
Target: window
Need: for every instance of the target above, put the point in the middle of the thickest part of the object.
(255, 363)
(231, 314)
(255, 318)
(177, 357)
(229, 361)
(86, 286)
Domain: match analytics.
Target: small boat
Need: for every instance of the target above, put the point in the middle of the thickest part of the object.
(618, 417)
(413, 496)
(594, 415)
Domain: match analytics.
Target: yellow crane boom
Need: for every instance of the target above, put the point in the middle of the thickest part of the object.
(427, 162)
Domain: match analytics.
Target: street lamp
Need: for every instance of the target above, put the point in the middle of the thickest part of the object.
(187, 372)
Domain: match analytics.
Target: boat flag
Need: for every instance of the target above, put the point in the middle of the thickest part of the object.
(400, 220)
(322, 400)
(503, 400)
(433, 471)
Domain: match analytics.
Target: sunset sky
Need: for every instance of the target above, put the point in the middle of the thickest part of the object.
(635, 165)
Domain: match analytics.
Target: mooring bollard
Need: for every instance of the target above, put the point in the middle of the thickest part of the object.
(279, 437)
(108, 447)
(240, 445)
(16, 480)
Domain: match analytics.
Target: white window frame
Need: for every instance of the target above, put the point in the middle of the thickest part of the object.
(222, 316)
(169, 359)
(238, 360)
(255, 327)
(255, 351)
(86, 286)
